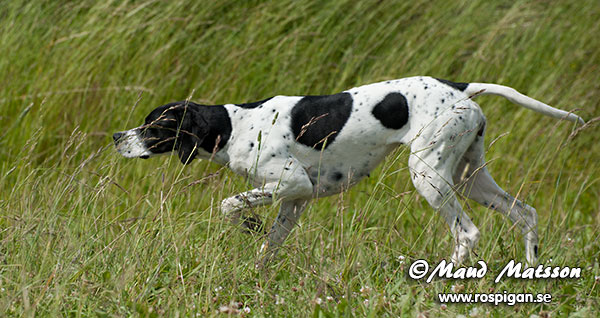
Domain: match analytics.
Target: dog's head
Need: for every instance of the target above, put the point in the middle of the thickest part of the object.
(173, 127)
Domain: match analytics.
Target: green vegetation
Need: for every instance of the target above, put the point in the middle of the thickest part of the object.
(85, 232)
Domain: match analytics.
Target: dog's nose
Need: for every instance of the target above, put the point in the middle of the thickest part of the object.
(117, 136)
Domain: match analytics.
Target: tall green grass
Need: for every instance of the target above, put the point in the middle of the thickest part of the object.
(84, 232)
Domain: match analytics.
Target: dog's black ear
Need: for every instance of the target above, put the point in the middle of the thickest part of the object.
(192, 131)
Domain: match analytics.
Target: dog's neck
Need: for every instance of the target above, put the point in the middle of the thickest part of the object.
(213, 146)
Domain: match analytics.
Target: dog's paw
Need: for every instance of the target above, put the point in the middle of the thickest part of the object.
(252, 224)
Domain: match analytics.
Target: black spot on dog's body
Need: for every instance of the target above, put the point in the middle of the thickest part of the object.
(253, 104)
(317, 120)
(459, 86)
(337, 176)
(392, 111)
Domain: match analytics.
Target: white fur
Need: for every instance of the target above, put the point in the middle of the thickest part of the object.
(131, 145)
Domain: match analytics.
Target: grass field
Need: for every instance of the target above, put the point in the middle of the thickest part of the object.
(85, 232)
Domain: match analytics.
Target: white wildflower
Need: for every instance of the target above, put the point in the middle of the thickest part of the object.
(279, 300)
(365, 290)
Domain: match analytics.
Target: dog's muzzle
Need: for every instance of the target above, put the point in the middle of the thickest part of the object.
(130, 145)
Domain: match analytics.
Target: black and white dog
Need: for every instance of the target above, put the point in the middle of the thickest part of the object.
(296, 148)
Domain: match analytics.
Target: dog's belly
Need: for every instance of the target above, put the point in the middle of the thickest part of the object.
(332, 172)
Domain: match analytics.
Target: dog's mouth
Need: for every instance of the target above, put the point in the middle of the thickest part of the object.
(130, 145)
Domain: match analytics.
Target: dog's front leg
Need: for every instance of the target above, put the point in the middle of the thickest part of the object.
(293, 187)
(288, 216)
(232, 207)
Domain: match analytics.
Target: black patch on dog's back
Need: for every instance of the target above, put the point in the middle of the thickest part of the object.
(254, 104)
(316, 120)
(392, 111)
(459, 86)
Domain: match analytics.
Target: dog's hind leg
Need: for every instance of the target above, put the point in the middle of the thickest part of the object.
(288, 216)
(434, 183)
(435, 154)
(479, 186)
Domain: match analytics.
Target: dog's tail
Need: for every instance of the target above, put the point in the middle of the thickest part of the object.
(475, 89)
